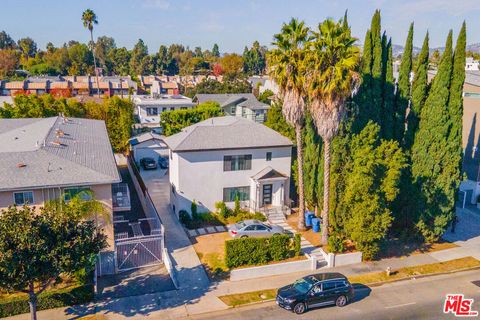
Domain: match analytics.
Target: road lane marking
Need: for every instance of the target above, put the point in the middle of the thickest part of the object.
(401, 305)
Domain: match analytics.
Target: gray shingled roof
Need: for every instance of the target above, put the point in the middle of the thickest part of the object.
(144, 137)
(54, 152)
(225, 133)
(241, 99)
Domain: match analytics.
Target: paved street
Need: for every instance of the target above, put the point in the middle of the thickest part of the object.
(415, 299)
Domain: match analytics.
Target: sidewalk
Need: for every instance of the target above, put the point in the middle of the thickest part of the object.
(197, 295)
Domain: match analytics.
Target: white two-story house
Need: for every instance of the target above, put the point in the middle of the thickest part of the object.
(222, 158)
(149, 108)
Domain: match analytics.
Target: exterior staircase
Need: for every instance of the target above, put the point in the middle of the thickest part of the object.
(278, 218)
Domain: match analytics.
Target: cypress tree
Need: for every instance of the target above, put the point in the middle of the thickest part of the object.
(364, 96)
(377, 81)
(403, 91)
(388, 93)
(431, 170)
(311, 162)
(419, 93)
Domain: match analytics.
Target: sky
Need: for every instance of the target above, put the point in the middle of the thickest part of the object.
(232, 24)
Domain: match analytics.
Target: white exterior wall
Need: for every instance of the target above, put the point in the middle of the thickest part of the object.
(199, 175)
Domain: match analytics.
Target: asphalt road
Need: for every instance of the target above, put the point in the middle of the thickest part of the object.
(413, 299)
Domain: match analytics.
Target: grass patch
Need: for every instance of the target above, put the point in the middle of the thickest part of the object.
(395, 248)
(210, 249)
(234, 300)
(439, 267)
(238, 299)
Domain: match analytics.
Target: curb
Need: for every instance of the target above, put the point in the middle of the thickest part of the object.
(420, 276)
(373, 284)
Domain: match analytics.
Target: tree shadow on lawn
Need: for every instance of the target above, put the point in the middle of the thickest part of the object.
(395, 248)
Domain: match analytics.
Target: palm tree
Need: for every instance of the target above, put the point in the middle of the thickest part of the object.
(331, 79)
(286, 67)
(89, 18)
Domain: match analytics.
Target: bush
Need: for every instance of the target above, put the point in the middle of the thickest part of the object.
(48, 300)
(222, 210)
(252, 251)
(297, 244)
(184, 217)
(193, 209)
(335, 243)
(369, 250)
(237, 205)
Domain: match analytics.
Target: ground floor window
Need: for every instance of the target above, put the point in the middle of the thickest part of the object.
(229, 194)
(24, 197)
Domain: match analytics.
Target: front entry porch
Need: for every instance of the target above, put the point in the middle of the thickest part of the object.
(269, 192)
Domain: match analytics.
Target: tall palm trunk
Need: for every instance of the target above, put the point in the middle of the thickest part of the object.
(95, 63)
(301, 194)
(326, 191)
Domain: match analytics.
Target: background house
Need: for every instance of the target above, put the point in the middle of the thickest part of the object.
(243, 105)
(148, 144)
(149, 108)
(220, 158)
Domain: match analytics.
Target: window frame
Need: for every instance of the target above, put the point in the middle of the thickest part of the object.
(23, 195)
(244, 190)
(240, 162)
(150, 113)
(79, 190)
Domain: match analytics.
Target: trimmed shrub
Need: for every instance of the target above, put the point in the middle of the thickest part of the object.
(193, 209)
(335, 243)
(297, 244)
(48, 300)
(222, 210)
(184, 218)
(252, 251)
(237, 205)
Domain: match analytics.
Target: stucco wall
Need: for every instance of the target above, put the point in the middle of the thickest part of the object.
(199, 175)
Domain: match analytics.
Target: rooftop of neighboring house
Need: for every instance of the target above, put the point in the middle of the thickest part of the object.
(147, 136)
(471, 76)
(226, 132)
(55, 152)
(163, 99)
(240, 99)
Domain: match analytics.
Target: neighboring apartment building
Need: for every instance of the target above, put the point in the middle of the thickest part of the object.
(224, 157)
(70, 86)
(150, 107)
(471, 64)
(243, 105)
(47, 158)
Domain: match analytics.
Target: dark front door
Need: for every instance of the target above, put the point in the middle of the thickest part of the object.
(267, 194)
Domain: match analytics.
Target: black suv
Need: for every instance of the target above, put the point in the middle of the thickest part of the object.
(315, 291)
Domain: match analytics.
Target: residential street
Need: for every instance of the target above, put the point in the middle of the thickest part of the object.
(415, 299)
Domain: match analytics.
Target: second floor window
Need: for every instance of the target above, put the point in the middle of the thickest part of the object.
(269, 156)
(21, 198)
(237, 163)
(83, 192)
(152, 111)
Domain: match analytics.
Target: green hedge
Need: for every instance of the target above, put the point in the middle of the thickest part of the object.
(252, 251)
(47, 300)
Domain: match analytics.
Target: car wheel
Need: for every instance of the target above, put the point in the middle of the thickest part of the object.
(244, 237)
(341, 301)
(299, 308)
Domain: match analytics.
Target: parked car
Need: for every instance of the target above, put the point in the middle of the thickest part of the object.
(253, 228)
(148, 163)
(315, 291)
(163, 162)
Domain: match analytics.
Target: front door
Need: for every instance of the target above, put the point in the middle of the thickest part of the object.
(267, 194)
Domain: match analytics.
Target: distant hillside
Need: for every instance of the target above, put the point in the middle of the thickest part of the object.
(398, 49)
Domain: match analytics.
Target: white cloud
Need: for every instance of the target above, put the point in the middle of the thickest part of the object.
(159, 4)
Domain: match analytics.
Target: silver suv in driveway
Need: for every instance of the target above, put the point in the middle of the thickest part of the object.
(253, 228)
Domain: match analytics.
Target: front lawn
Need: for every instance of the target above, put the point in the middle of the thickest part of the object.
(210, 249)
(395, 248)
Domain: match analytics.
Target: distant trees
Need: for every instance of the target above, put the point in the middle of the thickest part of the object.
(254, 59)
(231, 65)
(89, 18)
(9, 59)
(214, 86)
(174, 121)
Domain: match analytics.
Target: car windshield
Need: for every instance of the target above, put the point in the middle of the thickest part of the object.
(240, 224)
(303, 285)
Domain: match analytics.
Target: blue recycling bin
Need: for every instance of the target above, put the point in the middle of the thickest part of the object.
(316, 225)
(309, 215)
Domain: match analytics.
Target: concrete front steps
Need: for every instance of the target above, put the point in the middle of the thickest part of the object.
(278, 219)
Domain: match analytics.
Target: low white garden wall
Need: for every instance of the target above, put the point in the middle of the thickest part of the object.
(271, 270)
(344, 259)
